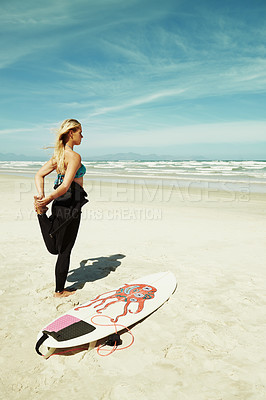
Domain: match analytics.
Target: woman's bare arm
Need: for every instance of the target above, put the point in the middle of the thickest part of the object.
(46, 169)
(72, 167)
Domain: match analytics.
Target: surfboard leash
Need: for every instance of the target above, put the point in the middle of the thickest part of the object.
(116, 339)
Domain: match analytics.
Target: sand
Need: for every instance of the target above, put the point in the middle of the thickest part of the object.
(206, 343)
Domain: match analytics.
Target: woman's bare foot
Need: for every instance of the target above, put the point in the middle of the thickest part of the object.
(39, 210)
(65, 293)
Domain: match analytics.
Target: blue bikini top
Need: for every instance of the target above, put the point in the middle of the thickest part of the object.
(79, 174)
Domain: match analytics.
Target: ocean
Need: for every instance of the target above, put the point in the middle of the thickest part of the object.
(242, 176)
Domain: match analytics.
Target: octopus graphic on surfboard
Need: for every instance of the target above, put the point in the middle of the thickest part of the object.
(123, 306)
(129, 294)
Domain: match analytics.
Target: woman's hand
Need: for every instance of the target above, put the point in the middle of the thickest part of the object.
(40, 196)
(42, 202)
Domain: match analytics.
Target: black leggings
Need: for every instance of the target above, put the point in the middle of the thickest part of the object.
(62, 242)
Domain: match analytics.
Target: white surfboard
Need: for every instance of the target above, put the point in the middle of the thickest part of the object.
(107, 313)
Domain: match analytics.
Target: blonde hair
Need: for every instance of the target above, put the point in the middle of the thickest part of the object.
(62, 135)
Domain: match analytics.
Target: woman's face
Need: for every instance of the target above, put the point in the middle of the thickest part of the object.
(77, 136)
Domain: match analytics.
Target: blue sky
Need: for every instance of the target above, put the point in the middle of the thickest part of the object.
(170, 77)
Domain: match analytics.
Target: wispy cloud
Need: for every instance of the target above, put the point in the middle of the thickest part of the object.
(31, 13)
(121, 66)
(18, 130)
(191, 80)
(139, 101)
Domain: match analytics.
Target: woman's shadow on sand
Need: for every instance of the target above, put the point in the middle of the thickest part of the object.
(92, 269)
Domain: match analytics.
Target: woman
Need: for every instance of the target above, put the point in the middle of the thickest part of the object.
(60, 229)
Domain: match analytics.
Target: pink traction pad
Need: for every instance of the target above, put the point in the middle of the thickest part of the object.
(61, 323)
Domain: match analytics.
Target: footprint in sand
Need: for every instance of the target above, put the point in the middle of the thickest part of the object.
(64, 307)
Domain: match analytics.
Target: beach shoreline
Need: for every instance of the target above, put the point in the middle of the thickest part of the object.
(205, 343)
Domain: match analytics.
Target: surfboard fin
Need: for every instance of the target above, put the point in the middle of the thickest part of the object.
(50, 351)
